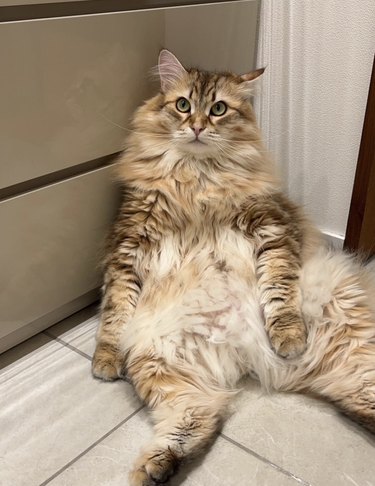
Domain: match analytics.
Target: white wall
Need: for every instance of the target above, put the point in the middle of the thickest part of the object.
(319, 56)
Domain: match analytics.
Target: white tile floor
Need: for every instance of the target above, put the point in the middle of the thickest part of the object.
(59, 426)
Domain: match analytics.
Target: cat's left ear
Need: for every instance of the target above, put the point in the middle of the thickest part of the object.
(251, 80)
(170, 69)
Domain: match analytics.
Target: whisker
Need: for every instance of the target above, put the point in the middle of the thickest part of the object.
(219, 138)
(130, 130)
(113, 123)
(229, 150)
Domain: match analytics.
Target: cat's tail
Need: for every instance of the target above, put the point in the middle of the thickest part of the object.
(187, 415)
(340, 359)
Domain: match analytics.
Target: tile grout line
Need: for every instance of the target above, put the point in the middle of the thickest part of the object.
(67, 345)
(94, 444)
(81, 353)
(265, 460)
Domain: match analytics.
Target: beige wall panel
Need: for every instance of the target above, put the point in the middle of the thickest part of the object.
(50, 246)
(63, 79)
(214, 37)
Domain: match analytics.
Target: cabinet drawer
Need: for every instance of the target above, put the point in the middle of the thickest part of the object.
(50, 246)
(63, 81)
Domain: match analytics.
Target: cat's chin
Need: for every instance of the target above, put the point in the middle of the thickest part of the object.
(197, 148)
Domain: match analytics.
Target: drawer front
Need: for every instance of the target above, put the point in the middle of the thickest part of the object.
(69, 85)
(51, 241)
(63, 84)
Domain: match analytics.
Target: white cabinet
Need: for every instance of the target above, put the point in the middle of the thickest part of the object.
(51, 242)
(68, 87)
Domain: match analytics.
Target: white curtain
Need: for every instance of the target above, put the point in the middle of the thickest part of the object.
(319, 55)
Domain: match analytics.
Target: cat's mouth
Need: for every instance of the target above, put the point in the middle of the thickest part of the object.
(196, 147)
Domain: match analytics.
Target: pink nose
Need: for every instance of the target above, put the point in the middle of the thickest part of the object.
(197, 130)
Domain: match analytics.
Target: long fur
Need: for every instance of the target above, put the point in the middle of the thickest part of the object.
(212, 273)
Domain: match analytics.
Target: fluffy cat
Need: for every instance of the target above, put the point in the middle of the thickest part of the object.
(212, 273)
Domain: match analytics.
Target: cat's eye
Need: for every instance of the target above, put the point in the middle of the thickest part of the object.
(183, 105)
(218, 108)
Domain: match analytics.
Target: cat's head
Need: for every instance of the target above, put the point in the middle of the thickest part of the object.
(199, 113)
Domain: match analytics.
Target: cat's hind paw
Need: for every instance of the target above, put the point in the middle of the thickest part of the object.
(154, 468)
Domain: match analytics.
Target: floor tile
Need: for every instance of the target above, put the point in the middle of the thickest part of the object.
(304, 436)
(78, 330)
(51, 409)
(23, 350)
(224, 465)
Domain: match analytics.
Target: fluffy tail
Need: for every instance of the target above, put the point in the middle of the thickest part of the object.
(340, 361)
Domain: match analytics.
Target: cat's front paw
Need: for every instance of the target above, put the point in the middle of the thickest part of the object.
(288, 336)
(105, 362)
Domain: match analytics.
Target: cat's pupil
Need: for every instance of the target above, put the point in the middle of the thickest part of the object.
(183, 105)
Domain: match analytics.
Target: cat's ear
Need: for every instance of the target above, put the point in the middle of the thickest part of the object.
(251, 80)
(170, 69)
(253, 74)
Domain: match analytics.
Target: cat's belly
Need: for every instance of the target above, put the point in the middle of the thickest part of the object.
(209, 291)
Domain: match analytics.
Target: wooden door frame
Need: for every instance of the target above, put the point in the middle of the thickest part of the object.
(360, 231)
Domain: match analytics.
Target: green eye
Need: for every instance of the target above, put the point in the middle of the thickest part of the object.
(218, 108)
(183, 105)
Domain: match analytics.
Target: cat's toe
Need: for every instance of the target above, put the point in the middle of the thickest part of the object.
(154, 468)
(140, 477)
(104, 371)
(289, 346)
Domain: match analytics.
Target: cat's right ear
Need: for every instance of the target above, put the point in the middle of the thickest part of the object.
(170, 69)
(253, 75)
(250, 81)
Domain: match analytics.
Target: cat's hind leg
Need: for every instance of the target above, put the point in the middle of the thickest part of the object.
(339, 363)
(351, 386)
(360, 406)
(344, 372)
(187, 414)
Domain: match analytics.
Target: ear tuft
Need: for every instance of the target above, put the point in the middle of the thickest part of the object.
(170, 69)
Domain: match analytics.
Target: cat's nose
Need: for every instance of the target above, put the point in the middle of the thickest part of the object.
(197, 129)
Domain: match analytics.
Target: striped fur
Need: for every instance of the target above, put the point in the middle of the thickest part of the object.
(212, 273)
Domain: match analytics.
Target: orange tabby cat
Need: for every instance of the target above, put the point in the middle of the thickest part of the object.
(212, 273)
